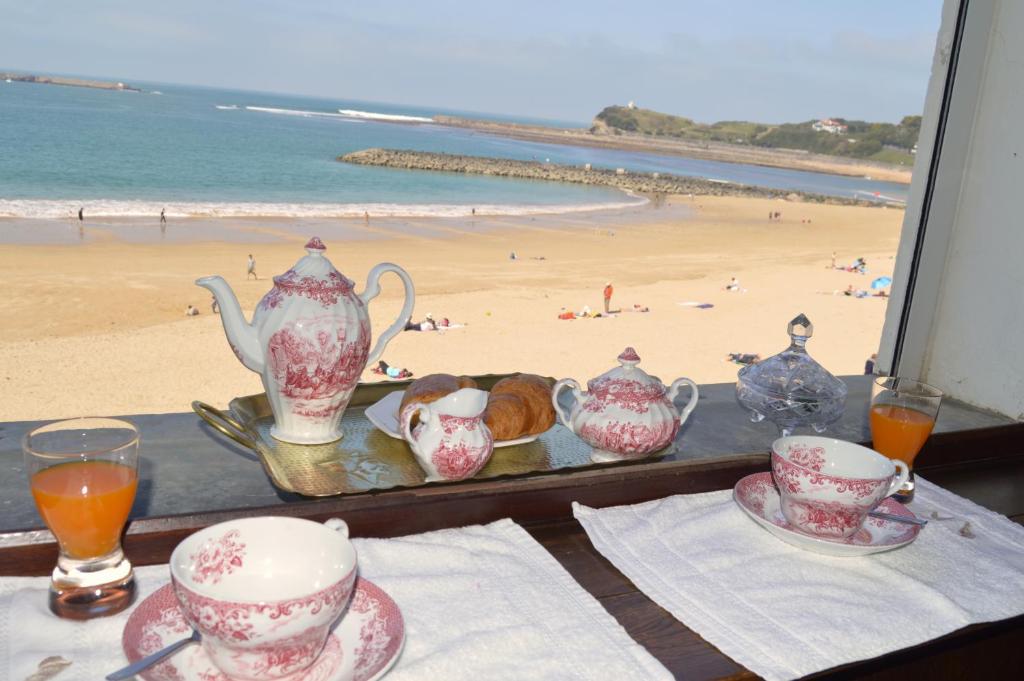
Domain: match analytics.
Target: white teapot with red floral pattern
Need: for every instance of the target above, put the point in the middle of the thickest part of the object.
(309, 340)
(626, 413)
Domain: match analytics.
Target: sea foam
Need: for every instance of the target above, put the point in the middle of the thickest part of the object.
(99, 208)
(302, 113)
(374, 116)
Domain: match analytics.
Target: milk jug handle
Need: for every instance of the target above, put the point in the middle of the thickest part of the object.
(406, 417)
(371, 291)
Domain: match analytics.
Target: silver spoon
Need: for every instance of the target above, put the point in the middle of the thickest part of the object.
(898, 518)
(150, 660)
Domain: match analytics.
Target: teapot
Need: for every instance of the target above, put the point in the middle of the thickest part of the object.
(451, 441)
(309, 340)
(627, 414)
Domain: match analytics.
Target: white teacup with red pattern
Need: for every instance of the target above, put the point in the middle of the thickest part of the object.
(264, 592)
(827, 486)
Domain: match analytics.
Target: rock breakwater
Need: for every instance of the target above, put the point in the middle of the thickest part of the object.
(640, 183)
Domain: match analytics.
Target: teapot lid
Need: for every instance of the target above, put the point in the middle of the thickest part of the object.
(793, 372)
(627, 375)
(314, 276)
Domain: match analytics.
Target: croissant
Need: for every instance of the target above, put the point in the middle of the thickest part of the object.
(529, 413)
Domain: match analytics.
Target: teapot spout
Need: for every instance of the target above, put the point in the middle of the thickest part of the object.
(241, 334)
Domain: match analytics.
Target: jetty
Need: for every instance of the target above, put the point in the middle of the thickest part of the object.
(619, 178)
(70, 82)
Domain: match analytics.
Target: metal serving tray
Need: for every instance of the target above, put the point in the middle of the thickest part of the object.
(366, 459)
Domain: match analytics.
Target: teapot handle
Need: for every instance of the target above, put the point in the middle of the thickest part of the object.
(559, 385)
(371, 291)
(674, 390)
(406, 416)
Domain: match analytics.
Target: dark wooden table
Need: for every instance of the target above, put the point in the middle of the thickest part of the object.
(985, 464)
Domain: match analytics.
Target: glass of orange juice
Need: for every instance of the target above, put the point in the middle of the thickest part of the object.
(83, 474)
(903, 413)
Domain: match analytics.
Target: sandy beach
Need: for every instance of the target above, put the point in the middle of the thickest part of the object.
(95, 319)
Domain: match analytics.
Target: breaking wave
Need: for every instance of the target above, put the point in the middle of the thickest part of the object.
(300, 112)
(98, 208)
(374, 116)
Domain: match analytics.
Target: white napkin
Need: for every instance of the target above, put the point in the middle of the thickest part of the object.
(480, 602)
(783, 612)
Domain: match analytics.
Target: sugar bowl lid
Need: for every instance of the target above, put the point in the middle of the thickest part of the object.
(627, 373)
(793, 372)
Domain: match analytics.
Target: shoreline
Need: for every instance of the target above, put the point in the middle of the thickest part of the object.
(789, 159)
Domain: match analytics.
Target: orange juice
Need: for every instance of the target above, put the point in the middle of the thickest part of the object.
(899, 432)
(85, 504)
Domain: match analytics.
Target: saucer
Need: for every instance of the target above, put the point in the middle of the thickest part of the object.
(363, 646)
(383, 414)
(759, 498)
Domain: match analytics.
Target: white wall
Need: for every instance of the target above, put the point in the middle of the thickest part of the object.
(966, 334)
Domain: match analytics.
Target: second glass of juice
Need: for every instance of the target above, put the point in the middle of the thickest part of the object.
(903, 413)
(83, 474)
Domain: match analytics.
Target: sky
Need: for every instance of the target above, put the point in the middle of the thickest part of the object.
(771, 61)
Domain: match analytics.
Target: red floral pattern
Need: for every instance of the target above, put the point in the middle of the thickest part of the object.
(827, 519)
(632, 396)
(460, 460)
(325, 291)
(218, 558)
(451, 424)
(230, 621)
(312, 359)
(808, 457)
(629, 439)
(381, 636)
(797, 480)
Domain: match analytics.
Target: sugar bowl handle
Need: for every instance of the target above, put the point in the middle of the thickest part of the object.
(694, 395)
(577, 395)
(406, 416)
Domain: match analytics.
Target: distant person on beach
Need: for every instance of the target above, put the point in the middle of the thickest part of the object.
(733, 285)
(214, 305)
(512, 256)
(252, 269)
(191, 311)
(366, 217)
(163, 218)
(384, 369)
(869, 365)
(833, 259)
(80, 217)
(743, 358)
(608, 291)
(473, 211)
(428, 324)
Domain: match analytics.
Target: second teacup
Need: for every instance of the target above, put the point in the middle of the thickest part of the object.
(827, 486)
(264, 592)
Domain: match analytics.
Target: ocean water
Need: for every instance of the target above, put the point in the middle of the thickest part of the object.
(215, 152)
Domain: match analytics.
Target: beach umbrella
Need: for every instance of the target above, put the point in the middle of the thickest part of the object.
(881, 282)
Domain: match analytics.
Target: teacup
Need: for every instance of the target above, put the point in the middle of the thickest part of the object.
(827, 487)
(265, 591)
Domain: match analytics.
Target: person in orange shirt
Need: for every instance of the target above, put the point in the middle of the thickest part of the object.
(608, 290)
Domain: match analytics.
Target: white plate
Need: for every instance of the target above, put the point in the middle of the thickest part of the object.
(759, 498)
(384, 415)
(363, 646)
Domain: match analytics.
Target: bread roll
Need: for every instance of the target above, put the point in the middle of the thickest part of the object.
(431, 388)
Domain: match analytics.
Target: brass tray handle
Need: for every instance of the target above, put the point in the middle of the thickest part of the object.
(224, 424)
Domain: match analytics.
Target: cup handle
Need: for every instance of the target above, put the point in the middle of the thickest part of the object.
(338, 525)
(559, 385)
(371, 291)
(897, 482)
(407, 414)
(694, 395)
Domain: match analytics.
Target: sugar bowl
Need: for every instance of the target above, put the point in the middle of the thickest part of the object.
(625, 413)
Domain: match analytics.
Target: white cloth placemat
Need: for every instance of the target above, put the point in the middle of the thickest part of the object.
(480, 602)
(783, 612)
